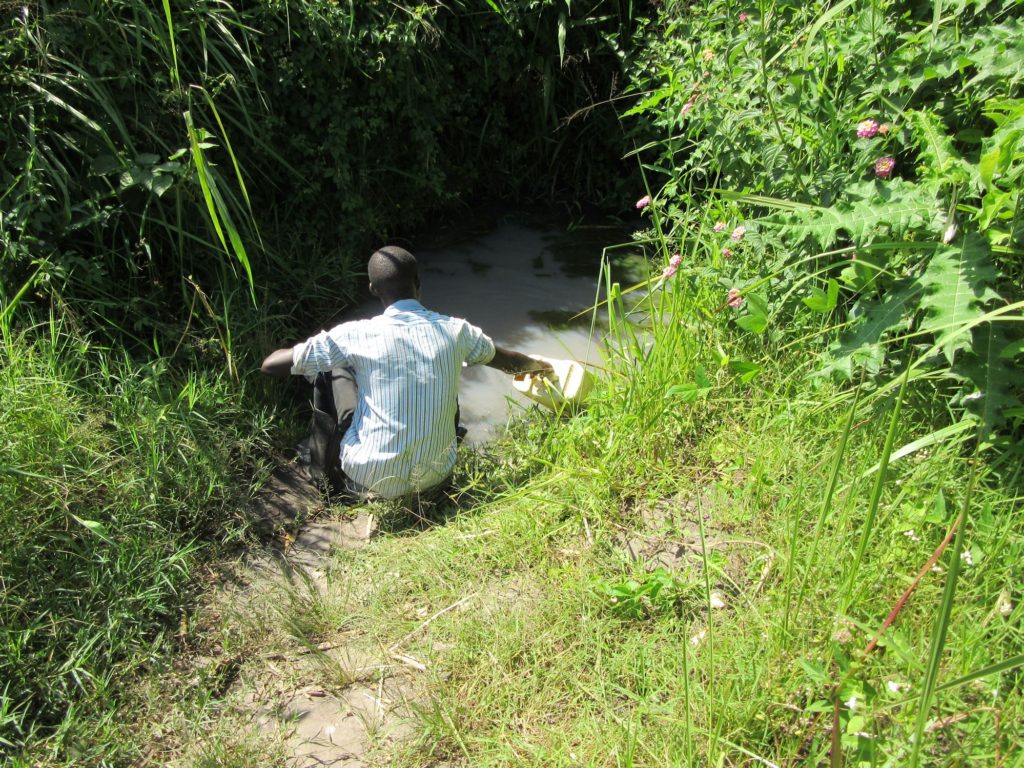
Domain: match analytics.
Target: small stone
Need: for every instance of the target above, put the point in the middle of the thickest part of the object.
(717, 600)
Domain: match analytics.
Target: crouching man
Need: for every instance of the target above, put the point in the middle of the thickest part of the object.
(401, 370)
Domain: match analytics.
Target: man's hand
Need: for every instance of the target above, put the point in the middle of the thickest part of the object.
(510, 361)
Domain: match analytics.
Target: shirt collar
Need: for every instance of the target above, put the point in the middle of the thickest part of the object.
(404, 305)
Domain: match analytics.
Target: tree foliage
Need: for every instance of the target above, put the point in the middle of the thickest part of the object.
(258, 149)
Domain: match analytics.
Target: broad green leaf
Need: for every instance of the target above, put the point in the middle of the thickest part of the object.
(1013, 349)
(820, 301)
(753, 323)
(956, 284)
(994, 378)
(756, 304)
(996, 205)
(702, 377)
(895, 209)
(860, 347)
(161, 184)
(651, 101)
(941, 159)
(687, 393)
(816, 672)
(862, 272)
(1007, 142)
(748, 371)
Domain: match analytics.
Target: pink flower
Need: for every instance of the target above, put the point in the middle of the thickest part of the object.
(884, 167)
(707, 54)
(884, 128)
(866, 129)
(686, 108)
(726, 253)
(719, 226)
(735, 300)
(744, 16)
(738, 233)
(668, 271)
(675, 261)
(643, 202)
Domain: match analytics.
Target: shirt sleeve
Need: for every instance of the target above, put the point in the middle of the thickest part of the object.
(321, 353)
(478, 345)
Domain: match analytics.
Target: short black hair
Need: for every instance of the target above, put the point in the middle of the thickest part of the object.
(393, 270)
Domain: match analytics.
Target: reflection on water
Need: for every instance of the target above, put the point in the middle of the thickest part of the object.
(522, 285)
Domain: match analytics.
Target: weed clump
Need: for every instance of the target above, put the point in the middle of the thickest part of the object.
(115, 477)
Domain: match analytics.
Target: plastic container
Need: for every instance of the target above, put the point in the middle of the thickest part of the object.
(568, 385)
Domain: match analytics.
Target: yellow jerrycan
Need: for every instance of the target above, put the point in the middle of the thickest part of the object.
(568, 384)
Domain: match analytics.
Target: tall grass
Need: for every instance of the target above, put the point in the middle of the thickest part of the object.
(272, 145)
(575, 654)
(105, 133)
(115, 476)
(182, 187)
(826, 363)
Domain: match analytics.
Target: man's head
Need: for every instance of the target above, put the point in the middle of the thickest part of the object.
(393, 275)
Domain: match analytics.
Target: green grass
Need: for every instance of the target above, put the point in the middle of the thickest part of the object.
(548, 645)
(804, 507)
(810, 450)
(807, 508)
(539, 667)
(116, 478)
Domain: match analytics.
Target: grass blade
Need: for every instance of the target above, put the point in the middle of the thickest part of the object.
(876, 491)
(941, 627)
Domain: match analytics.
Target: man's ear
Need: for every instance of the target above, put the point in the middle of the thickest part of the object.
(373, 290)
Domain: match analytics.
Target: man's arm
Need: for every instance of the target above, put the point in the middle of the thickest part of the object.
(510, 361)
(278, 363)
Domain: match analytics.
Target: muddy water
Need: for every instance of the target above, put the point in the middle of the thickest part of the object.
(523, 284)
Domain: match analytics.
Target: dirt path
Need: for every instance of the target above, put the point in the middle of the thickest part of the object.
(329, 703)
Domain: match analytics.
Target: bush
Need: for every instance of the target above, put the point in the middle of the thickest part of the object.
(271, 144)
(855, 167)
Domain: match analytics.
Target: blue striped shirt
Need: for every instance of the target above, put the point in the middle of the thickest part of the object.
(407, 362)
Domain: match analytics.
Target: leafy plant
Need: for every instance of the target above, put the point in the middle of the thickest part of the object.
(866, 198)
(652, 593)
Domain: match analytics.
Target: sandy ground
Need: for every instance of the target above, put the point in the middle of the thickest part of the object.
(334, 703)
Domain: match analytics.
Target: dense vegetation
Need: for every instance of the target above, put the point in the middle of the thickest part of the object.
(866, 161)
(821, 370)
(185, 185)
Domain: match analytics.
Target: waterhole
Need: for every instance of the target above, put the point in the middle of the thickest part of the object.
(530, 287)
